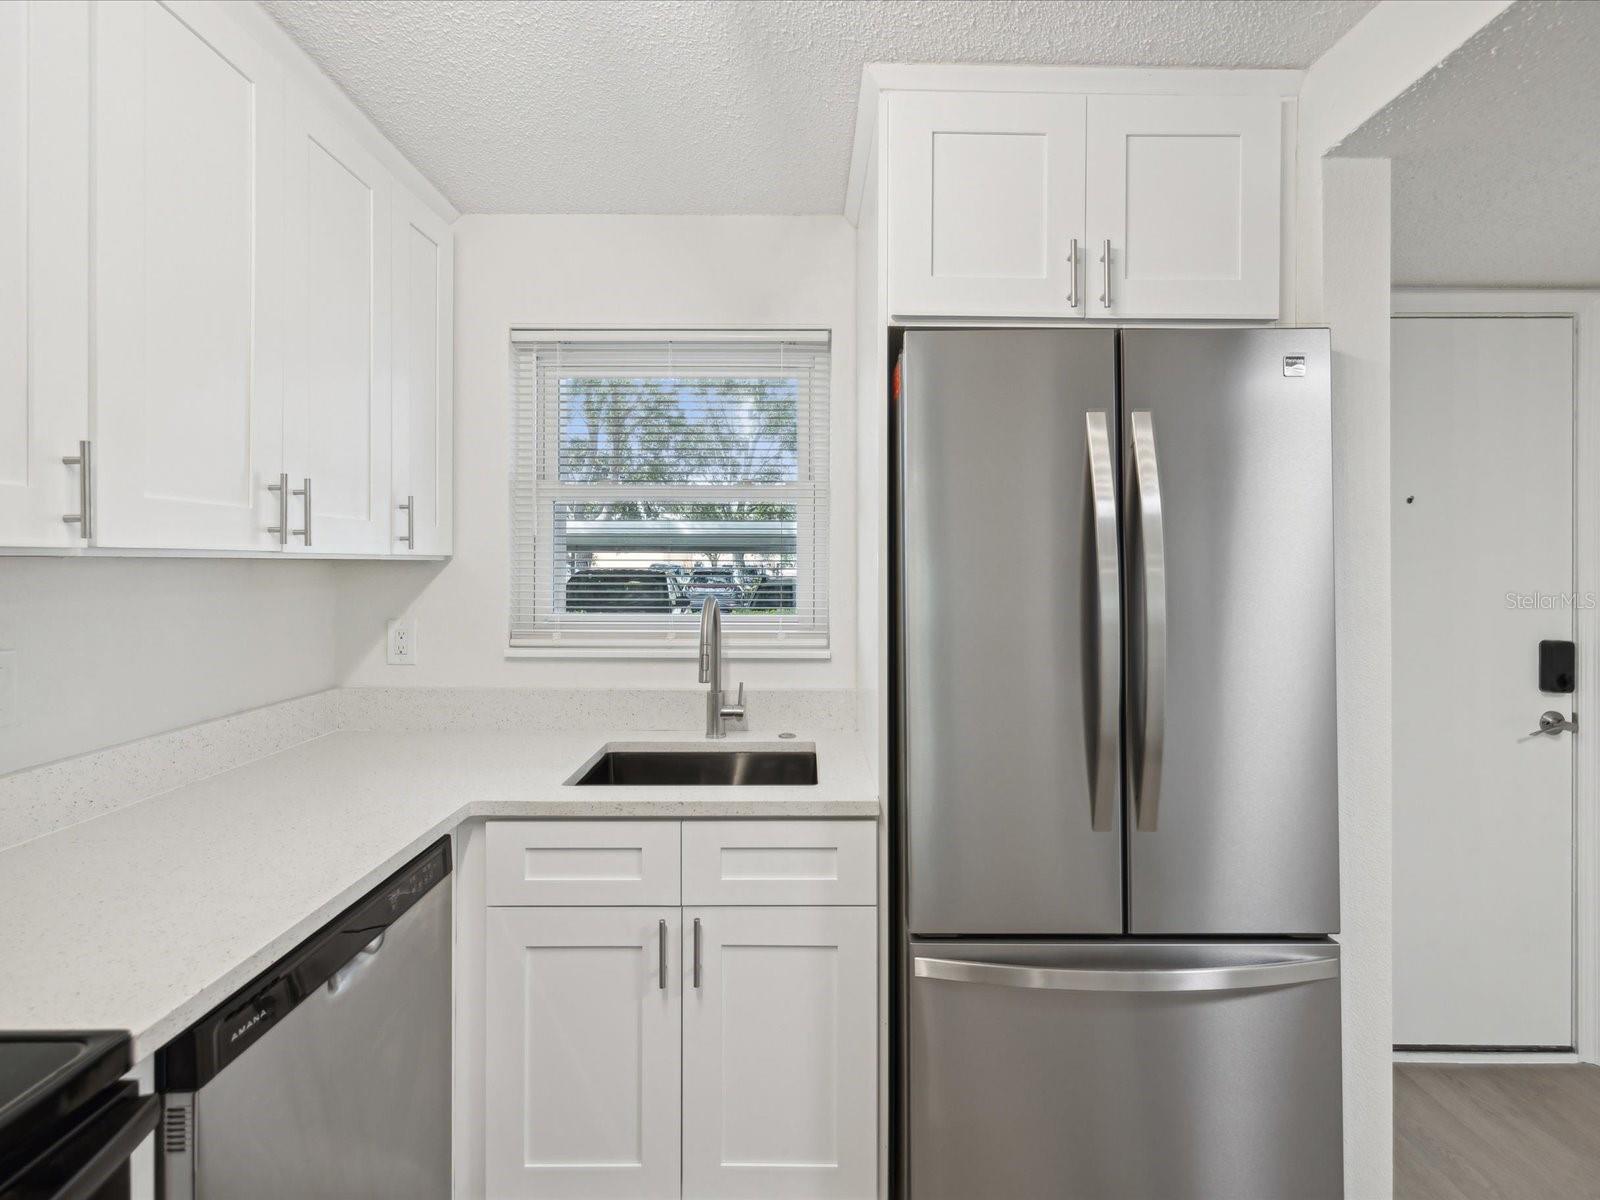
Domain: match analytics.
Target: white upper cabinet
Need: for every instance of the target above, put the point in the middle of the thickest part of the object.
(1062, 206)
(986, 194)
(1185, 191)
(225, 321)
(424, 330)
(44, 269)
(337, 202)
(188, 157)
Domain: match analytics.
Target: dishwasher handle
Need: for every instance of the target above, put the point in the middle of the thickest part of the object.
(340, 979)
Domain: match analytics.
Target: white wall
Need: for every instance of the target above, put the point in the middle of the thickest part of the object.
(564, 271)
(1356, 299)
(1342, 279)
(1387, 51)
(111, 649)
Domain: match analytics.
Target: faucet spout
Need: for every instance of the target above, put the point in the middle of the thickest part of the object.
(718, 711)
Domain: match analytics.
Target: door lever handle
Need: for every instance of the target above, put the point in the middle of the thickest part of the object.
(1554, 722)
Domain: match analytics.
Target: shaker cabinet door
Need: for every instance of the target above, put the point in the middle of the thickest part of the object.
(1185, 190)
(188, 237)
(582, 1028)
(44, 269)
(780, 1053)
(985, 199)
(420, 500)
(337, 202)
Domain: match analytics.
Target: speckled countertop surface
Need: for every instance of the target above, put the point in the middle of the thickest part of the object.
(145, 918)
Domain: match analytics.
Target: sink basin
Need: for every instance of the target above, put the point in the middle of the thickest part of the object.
(701, 768)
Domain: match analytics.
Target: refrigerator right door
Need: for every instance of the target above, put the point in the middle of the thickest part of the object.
(1118, 1070)
(1227, 514)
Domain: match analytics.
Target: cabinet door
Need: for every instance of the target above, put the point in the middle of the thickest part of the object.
(581, 1031)
(44, 268)
(188, 407)
(780, 1054)
(1185, 189)
(985, 200)
(423, 333)
(337, 296)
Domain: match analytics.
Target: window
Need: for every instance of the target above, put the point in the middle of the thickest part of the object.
(654, 470)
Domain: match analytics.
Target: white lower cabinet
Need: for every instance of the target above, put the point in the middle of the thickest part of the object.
(714, 1053)
(582, 1031)
(780, 1054)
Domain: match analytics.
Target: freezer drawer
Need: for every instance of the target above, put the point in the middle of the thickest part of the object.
(1124, 1071)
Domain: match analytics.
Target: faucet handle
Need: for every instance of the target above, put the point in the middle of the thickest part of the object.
(734, 711)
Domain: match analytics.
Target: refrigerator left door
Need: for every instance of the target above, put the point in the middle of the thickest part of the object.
(1009, 632)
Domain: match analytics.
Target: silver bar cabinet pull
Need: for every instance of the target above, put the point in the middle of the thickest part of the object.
(1107, 629)
(410, 510)
(661, 950)
(1239, 978)
(1148, 528)
(282, 527)
(1105, 273)
(305, 492)
(1072, 275)
(84, 517)
(697, 952)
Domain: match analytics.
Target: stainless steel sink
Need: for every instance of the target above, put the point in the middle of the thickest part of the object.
(701, 768)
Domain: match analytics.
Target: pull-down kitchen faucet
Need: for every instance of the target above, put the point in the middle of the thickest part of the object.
(717, 712)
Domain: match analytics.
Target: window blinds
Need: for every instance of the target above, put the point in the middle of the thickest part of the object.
(651, 471)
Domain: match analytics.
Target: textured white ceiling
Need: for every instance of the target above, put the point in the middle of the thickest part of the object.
(720, 106)
(1496, 155)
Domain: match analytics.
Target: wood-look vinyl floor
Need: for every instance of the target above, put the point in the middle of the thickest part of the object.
(1496, 1132)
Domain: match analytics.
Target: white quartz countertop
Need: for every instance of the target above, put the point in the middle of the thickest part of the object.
(146, 918)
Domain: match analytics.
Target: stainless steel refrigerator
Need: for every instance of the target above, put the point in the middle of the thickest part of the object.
(1117, 786)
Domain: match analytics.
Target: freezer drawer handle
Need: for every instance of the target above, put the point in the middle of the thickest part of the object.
(1080, 979)
(1152, 680)
(1107, 632)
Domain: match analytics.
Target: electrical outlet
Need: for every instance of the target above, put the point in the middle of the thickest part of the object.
(8, 688)
(403, 642)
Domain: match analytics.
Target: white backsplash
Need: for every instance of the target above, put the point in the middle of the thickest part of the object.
(41, 800)
(562, 709)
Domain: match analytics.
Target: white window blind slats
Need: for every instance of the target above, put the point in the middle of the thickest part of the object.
(651, 472)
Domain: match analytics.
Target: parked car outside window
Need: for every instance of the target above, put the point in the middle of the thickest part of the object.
(618, 589)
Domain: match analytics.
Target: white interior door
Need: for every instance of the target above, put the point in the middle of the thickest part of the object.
(582, 1039)
(336, 385)
(780, 1054)
(1483, 570)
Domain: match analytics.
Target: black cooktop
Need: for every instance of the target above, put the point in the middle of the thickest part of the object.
(45, 1078)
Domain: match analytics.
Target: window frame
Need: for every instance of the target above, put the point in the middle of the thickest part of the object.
(811, 494)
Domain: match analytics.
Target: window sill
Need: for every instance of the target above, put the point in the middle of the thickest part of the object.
(687, 651)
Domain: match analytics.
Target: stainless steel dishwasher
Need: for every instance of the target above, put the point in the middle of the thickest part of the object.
(328, 1077)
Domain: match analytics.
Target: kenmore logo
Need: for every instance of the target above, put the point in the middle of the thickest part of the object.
(255, 1020)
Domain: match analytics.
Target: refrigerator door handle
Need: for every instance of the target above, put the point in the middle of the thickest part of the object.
(1237, 978)
(1106, 634)
(1146, 775)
